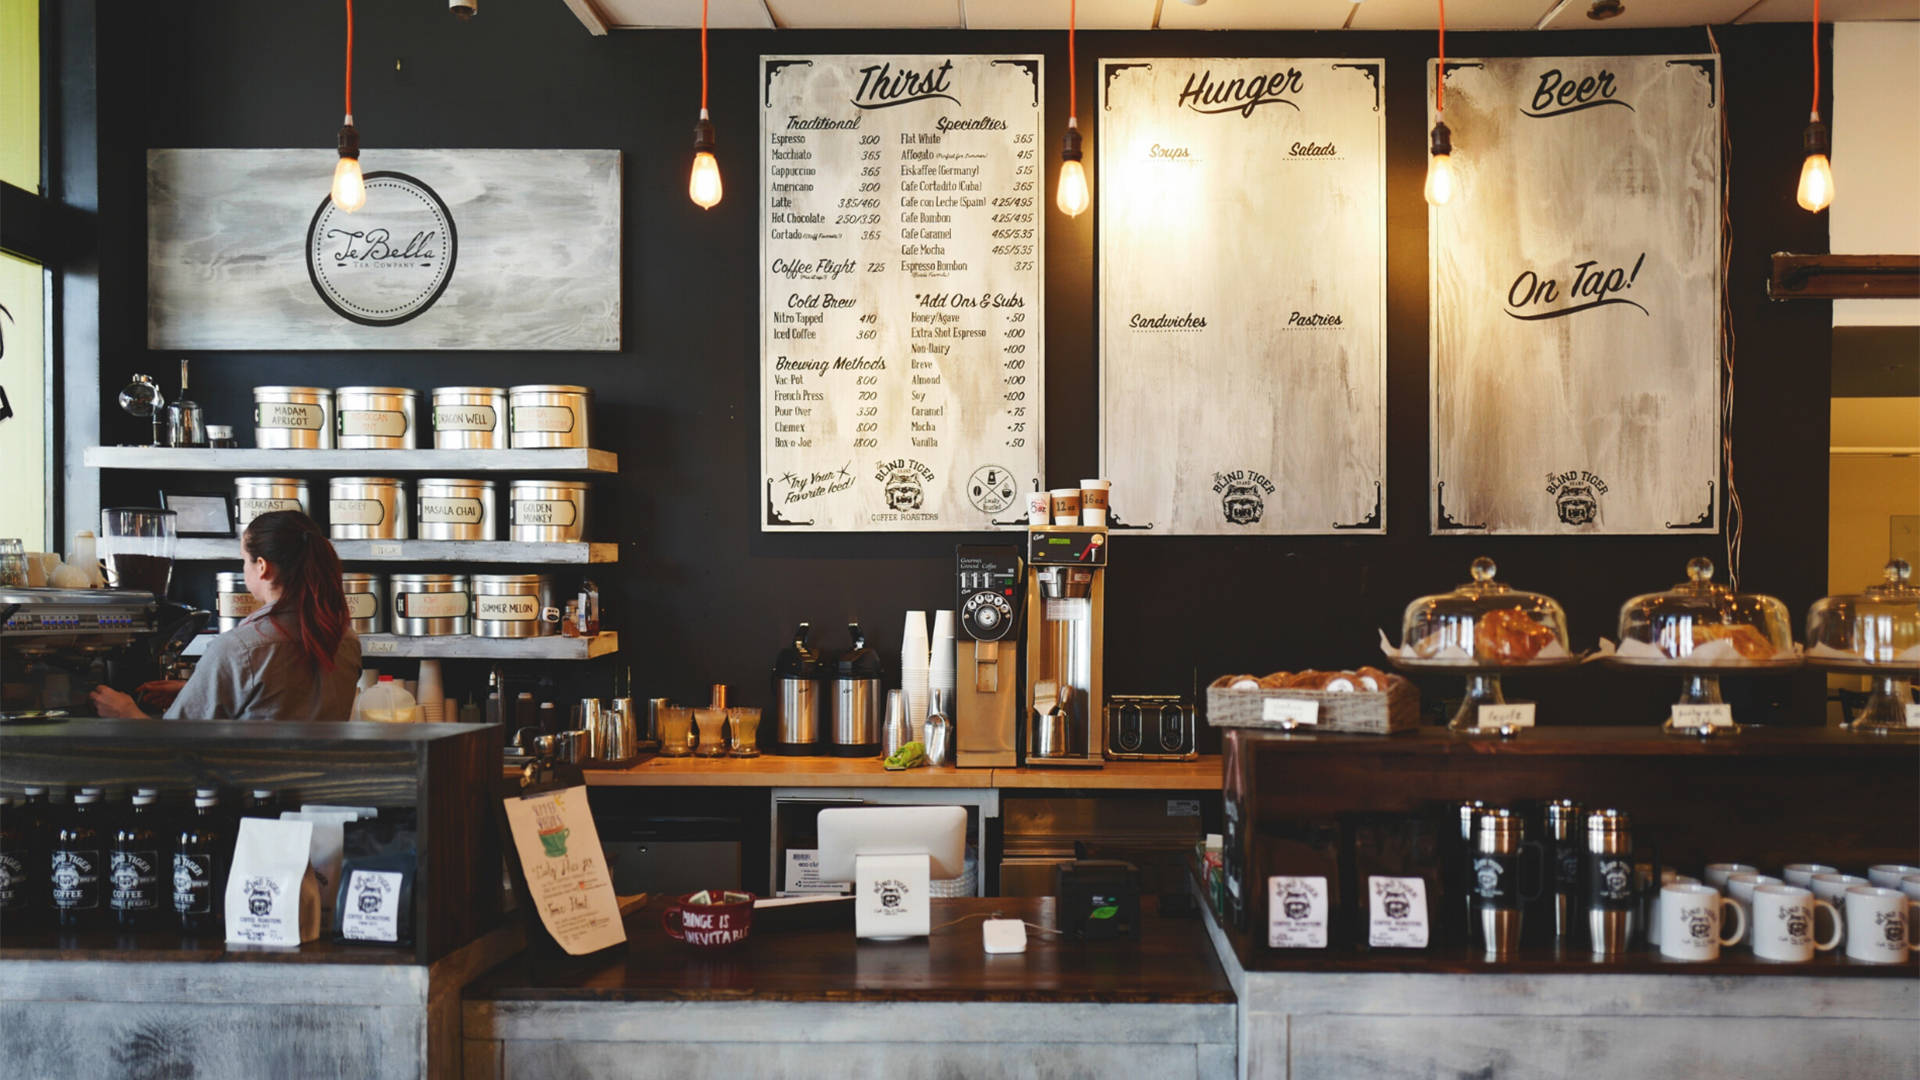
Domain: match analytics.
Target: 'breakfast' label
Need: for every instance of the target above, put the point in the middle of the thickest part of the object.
(248, 509)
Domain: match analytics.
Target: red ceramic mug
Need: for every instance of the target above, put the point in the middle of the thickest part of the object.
(711, 917)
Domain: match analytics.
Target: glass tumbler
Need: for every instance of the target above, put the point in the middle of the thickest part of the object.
(13, 564)
(713, 734)
(676, 731)
(743, 725)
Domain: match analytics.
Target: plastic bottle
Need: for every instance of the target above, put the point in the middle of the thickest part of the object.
(200, 867)
(133, 865)
(389, 702)
(75, 864)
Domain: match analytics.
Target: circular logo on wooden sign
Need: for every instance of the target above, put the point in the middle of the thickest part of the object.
(389, 261)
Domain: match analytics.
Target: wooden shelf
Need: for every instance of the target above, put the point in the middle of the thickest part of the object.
(468, 647)
(1645, 740)
(434, 551)
(769, 770)
(351, 462)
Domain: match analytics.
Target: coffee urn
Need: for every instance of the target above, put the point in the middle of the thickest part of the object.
(1064, 703)
(855, 690)
(796, 696)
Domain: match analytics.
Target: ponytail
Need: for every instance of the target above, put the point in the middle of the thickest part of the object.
(308, 572)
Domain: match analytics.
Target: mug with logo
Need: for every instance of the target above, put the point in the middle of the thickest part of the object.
(1690, 922)
(1801, 873)
(1716, 874)
(1888, 875)
(1833, 889)
(710, 917)
(1667, 877)
(1740, 890)
(1783, 924)
(1880, 924)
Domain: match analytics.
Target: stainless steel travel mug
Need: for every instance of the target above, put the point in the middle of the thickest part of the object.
(1612, 904)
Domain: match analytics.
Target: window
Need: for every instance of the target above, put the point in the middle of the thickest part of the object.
(23, 349)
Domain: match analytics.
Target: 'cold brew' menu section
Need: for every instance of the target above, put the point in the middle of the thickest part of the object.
(902, 331)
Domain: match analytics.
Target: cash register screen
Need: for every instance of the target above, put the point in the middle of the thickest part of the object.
(938, 832)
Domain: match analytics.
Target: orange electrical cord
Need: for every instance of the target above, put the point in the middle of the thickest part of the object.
(1816, 58)
(1440, 77)
(1073, 88)
(349, 57)
(703, 55)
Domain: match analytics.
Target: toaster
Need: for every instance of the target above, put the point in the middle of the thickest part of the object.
(1150, 727)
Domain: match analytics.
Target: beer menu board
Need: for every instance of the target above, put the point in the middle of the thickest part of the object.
(902, 330)
(1575, 290)
(1242, 209)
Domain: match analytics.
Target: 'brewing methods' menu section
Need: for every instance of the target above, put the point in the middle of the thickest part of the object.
(902, 331)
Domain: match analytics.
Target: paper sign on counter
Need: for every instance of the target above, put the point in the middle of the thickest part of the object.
(1294, 710)
(1913, 715)
(803, 875)
(566, 869)
(1497, 716)
(1694, 716)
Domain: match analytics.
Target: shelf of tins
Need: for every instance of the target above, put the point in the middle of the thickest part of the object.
(428, 551)
(351, 462)
(468, 647)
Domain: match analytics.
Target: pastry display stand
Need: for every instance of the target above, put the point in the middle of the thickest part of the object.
(1483, 686)
(1700, 685)
(1889, 706)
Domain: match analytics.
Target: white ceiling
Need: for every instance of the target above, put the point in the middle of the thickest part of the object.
(601, 15)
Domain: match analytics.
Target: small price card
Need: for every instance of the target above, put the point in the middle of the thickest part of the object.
(1295, 710)
(1913, 715)
(1498, 716)
(384, 549)
(378, 646)
(1696, 716)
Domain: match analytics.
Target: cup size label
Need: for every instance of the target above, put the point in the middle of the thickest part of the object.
(1698, 716)
(248, 509)
(1499, 716)
(356, 512)
(280, 414)
(1397, 912)
(452, 512)
(237, 605)
(1297, 912)
(382, 422)
(558, 513)
(542, 418)
(447, 605)
(465, 418)
(372, 908)
(506, 608)
(361, 605)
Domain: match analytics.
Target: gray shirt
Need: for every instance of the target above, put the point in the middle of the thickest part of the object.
(257, 671)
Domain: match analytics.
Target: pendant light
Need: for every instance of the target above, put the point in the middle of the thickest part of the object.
(1816, 173)
(703, 186)
(349, 189)
(1439, 187)
(1072, 196)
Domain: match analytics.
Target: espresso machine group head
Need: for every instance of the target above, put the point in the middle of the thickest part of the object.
(1064, 703)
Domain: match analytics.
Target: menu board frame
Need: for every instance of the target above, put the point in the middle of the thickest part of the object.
(931, 439)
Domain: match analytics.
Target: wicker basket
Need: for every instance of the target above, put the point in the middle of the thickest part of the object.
(1353, 712)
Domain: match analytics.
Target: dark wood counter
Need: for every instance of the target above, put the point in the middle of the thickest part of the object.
(1171, 962)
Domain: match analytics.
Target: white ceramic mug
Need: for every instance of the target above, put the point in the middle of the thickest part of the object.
(1667, 877)
(1911, 885)
(1716, 873)
(1833, 889)
(1783, 924)
(1801, 873)
(1690, 922)
(1888, 875)
(1880, 923)
(1740, 890)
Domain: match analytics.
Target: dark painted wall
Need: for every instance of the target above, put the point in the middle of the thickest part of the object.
(701, 595)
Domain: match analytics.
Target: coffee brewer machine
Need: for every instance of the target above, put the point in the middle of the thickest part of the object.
(56, 645)
(986, 683)
(1065, 648)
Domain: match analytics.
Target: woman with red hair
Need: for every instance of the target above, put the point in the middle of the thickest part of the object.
(293, 659)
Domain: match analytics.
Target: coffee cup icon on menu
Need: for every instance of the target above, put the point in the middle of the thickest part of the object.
(554, 841)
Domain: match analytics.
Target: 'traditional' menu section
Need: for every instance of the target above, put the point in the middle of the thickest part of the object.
(902, 329)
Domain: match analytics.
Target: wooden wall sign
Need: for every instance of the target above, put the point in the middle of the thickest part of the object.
(1576, 298)
(1243, 256)
(902, 365)
(454, 249)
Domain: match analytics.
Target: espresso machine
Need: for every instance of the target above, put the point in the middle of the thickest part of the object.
(56, 645)
(1065, 647)
(987, 647)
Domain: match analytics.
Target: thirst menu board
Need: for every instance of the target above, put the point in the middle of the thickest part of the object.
(1243, 270)
(902, 331)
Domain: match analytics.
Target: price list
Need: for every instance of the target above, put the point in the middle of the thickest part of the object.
(901, 366)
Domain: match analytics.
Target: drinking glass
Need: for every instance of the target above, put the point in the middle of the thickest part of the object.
(676, 731)
(713, 736)
(13, 564)
(744, 726)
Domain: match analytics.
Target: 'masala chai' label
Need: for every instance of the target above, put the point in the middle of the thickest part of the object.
(451, 511)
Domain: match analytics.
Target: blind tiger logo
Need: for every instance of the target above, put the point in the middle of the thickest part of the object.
(1576, 496)
(370, 893)
(1296, 904)
(904, 481)
(260, 892)
(1396, 900)
(891, 893)
(1243, 495)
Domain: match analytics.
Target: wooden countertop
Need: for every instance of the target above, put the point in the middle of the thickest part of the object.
(1171, 962)
(769, 770)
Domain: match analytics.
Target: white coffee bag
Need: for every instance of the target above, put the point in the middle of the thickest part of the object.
(272, 898)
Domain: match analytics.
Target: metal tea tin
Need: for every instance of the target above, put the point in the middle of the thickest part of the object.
(293, 418)
(454, 509)
(231, 601)
(431, 605)
(514, 606)
(256, 495)
(366, 508)
(366, 602)
(374, 417)
(549, 415)
(547, 510)
(469, 418)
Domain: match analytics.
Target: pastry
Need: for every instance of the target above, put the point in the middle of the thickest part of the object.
(1506, 636)
(1747, 640)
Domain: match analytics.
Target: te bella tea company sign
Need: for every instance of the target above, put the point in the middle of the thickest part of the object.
(902, 330)
(1575, 332)
(1243, 295)
(454, 249)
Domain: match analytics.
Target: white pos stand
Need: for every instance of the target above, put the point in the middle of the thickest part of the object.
(891, 854)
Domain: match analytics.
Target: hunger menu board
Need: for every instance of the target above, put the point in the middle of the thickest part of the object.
(902, 330)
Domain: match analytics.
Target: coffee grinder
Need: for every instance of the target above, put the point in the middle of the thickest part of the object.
(987, 654)
(1065, 649)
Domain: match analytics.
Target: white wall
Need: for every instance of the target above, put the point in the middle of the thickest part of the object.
(1876, 156)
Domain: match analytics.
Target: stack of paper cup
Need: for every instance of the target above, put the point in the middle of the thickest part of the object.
(940, 665)
(914, 659)
(431, 696)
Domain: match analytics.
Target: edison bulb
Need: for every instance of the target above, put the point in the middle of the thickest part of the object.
(349, 189)
(1439, 179)
(1072, 196)
(1816, 184)
(703, 187)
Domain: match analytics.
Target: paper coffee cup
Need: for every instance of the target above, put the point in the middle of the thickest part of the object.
(1066, 506)
(1093, 501)
(1039, 508)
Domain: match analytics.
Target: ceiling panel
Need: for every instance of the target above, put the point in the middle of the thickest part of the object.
(721, 14)
(1052, 14)
(1644, 13)
(842, 14)
(1461, 14)
(1254, 15)
(1835, 11)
